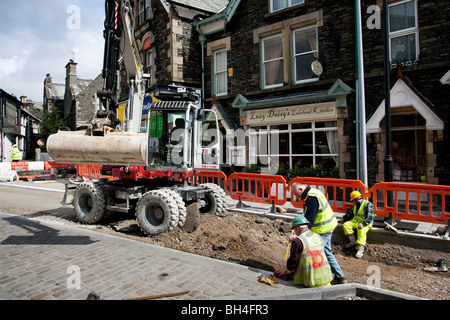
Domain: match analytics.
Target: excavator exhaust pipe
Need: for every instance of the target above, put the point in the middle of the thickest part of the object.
(115, 147)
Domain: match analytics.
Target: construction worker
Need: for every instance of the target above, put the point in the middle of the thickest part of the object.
(16, 154)
(361, 219)
(307, 263)
(322, 221)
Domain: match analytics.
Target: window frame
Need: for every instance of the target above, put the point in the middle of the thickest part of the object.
(216, 72)
(256, 131)
(295, 55)
(149, 58)
(405, 32)
(287, 4)
(143, 11)
(263, 62)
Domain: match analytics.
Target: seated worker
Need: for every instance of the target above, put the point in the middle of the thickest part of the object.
(307, 263)
(360, 218)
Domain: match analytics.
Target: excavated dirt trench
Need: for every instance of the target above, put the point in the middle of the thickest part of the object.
(261, 242)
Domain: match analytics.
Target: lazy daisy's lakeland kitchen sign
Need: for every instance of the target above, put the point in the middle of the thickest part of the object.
(297, 113)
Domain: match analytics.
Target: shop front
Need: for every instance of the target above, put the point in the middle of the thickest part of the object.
(300, 132)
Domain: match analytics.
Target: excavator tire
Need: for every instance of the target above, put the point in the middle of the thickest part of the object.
(181, 207)
(157, 212)
(216, 203)
(89, 202)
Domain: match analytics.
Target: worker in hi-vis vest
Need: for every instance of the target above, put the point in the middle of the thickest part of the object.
(322, 221)
(16, 154)
(360, 217)
(307, 263)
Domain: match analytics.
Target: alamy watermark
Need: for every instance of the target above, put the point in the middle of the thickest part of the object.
(374, 20)
(264, 147)
(73, 21)
(374, 276)
(74, 280)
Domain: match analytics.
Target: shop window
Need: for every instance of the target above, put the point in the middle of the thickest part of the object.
(276, 5)
(403, 33)
(305, 52)
(302, 145)
(220, 73)
(273, 62)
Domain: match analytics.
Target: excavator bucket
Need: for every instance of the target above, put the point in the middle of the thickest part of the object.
(115, 147)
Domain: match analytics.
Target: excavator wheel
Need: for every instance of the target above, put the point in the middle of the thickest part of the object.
(181, 207)
(157, 212)
(216, 203)
(89, 202)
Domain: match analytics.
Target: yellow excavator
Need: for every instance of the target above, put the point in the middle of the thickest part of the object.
(151, 162)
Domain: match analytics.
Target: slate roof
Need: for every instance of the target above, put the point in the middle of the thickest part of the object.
(56, 91)
(81, 85)
(212, 6)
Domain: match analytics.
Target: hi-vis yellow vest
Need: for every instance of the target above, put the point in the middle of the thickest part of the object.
(326, 219)
(359, 215)
(313, 269)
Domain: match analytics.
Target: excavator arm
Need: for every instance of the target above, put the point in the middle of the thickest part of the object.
(109, 141)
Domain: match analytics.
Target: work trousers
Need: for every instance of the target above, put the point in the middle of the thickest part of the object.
(335, 267)
(361, 234)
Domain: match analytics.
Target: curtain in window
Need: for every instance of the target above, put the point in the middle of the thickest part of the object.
(333, 143)
(273, 61)
(305, 53)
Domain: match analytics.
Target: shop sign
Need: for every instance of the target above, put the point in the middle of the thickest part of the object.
(297, 113)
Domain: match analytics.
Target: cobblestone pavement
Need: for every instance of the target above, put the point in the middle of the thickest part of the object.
(49, 260)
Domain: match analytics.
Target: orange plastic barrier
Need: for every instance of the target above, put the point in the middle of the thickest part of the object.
(48, 165)
(417, 202)
(259, 188)
(337, 191)
(20, 164)
(217, 177)
(93, 172)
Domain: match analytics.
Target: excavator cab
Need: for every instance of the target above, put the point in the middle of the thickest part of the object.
(180, 138)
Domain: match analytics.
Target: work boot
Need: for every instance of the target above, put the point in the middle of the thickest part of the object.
(337, 280)
(352, 239)
(359, 251)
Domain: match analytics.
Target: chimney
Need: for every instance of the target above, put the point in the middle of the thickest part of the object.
(71, 74)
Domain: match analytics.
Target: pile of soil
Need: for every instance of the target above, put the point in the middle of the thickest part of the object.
(260, 242)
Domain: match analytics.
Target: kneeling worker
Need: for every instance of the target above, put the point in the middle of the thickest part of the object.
(362, 220)
(307, 263)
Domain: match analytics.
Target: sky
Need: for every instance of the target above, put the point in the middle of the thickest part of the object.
(40, 37)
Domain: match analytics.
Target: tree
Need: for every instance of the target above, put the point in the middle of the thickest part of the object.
(50, 125)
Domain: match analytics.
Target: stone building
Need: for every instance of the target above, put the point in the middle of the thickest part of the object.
(19, 124)
(75, 99)
(291, 66)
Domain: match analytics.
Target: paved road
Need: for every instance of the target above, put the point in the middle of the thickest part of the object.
(49, 260)
(42, 259)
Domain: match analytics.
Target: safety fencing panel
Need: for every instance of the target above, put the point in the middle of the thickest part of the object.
(94, 172)
(259, 188)
(48, 165)
(216, 177)
(337, 191)
(411, 201)
(19, 166)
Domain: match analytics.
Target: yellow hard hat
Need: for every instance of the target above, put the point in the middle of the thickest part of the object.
(355, 195)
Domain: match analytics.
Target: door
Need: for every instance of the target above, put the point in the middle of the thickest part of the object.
(207, 141)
